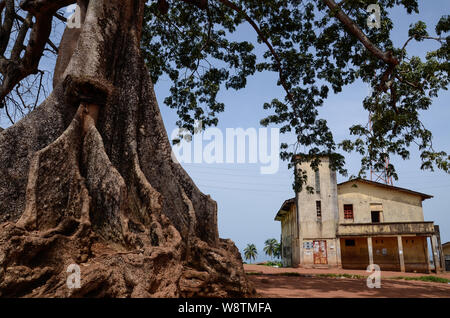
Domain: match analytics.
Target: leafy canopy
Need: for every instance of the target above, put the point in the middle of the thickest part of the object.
(315, 47)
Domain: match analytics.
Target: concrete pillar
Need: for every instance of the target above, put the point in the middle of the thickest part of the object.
(439, 245)
(298, 248)
(435, 250)
(338, 252)
(427, 254)
(369, 247)
(401, 254)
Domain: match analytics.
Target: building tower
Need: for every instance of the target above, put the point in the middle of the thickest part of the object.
(317, 217)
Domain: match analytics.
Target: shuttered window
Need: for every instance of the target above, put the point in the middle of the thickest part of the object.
(348, 211)
(319, 209)
(317, 181)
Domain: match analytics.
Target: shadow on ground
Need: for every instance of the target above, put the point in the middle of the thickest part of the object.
(296, 286)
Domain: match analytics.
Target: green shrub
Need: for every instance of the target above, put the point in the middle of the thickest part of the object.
(279, 264)
(429, 278)
(352, 276)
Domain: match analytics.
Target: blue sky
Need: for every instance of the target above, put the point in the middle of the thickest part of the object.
(248, 201)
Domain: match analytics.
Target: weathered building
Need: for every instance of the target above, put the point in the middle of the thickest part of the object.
(357, 223)
(446, 252)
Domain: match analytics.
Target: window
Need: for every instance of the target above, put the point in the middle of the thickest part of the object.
(348, 211)
(375, 216)
(319, 209)
(317, 181)
(349, 242)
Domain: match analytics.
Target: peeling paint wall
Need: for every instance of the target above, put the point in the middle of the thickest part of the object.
(313, 227)
(289, 239)
(395, 206)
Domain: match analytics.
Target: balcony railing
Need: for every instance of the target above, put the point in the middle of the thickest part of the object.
(388, 228)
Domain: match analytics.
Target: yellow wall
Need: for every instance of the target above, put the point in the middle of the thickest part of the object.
(396, 206)
(446, 249)
(289, 236)
(310, 225)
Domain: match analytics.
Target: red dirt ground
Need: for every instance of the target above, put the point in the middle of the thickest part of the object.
(269, 285)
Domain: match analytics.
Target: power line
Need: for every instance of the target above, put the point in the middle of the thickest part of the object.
(201, 179)
(242, 189)
(207, 166)
(239, 182)
(197, 166)
(242, 175)
(272, 190)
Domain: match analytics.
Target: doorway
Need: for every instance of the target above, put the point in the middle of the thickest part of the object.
(320, 252)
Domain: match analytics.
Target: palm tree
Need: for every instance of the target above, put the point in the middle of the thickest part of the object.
(277, 251)
(270, 247)
(250, 252)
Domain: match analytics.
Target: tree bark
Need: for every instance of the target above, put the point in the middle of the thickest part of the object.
(88, 178)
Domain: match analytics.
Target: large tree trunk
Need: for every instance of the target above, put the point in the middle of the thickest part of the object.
(88, 178)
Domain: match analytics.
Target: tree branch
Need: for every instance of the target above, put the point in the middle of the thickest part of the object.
(203, 4)
(266, 42)
(387, 57)
(28, 22)
(5, 30)
(2, 5)
(353, 29)
(15, 69)
(60, 17)
(39, 7)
